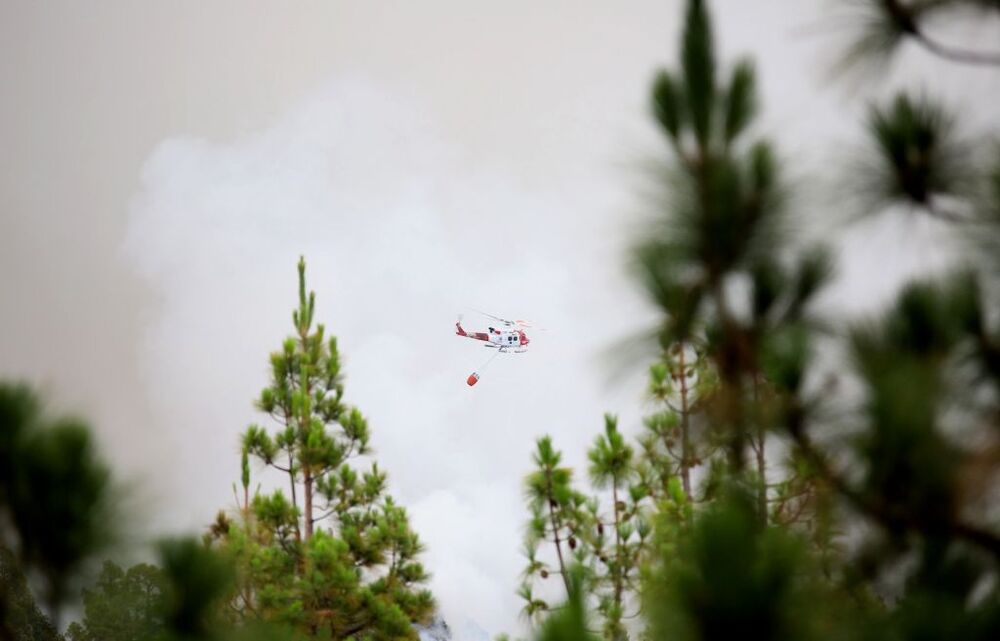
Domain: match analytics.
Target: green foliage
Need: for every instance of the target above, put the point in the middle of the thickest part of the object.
(554, 506)
(668, 104)
(600, 548)
(316, 588)
(198, 581)
(725, 206)
(336, 557)
(55, 494)
(741, 101)
(318, 433)
(730, 576)
(610, 457)
(883, 25)
(616, 553)
(182, 600)
(722, 222)
(570, 622)
(984, 237)
(59, 479)
(906, 458)
(20, 616)
(943, 601)
(698, 64)
(911, 465)
(672, 523)
(680, 383)
(122, 605)
(557, 517)
(723, 219)
(919, 161)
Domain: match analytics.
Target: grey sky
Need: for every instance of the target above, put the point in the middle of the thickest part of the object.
(163, 167)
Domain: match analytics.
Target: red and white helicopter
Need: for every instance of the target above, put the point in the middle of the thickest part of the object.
(509, 338)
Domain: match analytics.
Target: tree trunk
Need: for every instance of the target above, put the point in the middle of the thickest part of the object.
(556, 526)
(295, 501)
(686, 457)
(761, 463)
(619, 553)
(308, 482)
(731, 379)
(762, 474)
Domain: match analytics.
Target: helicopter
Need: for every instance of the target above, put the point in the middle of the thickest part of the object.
(509, 337)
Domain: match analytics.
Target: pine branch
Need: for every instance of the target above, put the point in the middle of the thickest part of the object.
(955, 54)
(879, 510)
(906, 19)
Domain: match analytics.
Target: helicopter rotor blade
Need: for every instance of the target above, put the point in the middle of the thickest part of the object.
(519, 323)
(527, 324)
(502, 320)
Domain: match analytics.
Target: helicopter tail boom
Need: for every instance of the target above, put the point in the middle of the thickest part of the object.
(479, 336)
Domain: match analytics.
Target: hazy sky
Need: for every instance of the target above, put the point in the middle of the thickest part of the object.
(162, 168)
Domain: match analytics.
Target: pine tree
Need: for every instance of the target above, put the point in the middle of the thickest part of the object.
(612, 467)
(319, 433)
(679, 383)
(55, 496)
(20, 616)
(724, 219)
(555, 514)
(915, 479)
(725, 216)
(601, 547)
(338, 558)
(122, 605)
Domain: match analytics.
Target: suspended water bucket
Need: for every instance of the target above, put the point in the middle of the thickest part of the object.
(473, 379)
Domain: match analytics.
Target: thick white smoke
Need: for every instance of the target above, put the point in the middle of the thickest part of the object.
(401, 233)
(404, 227)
